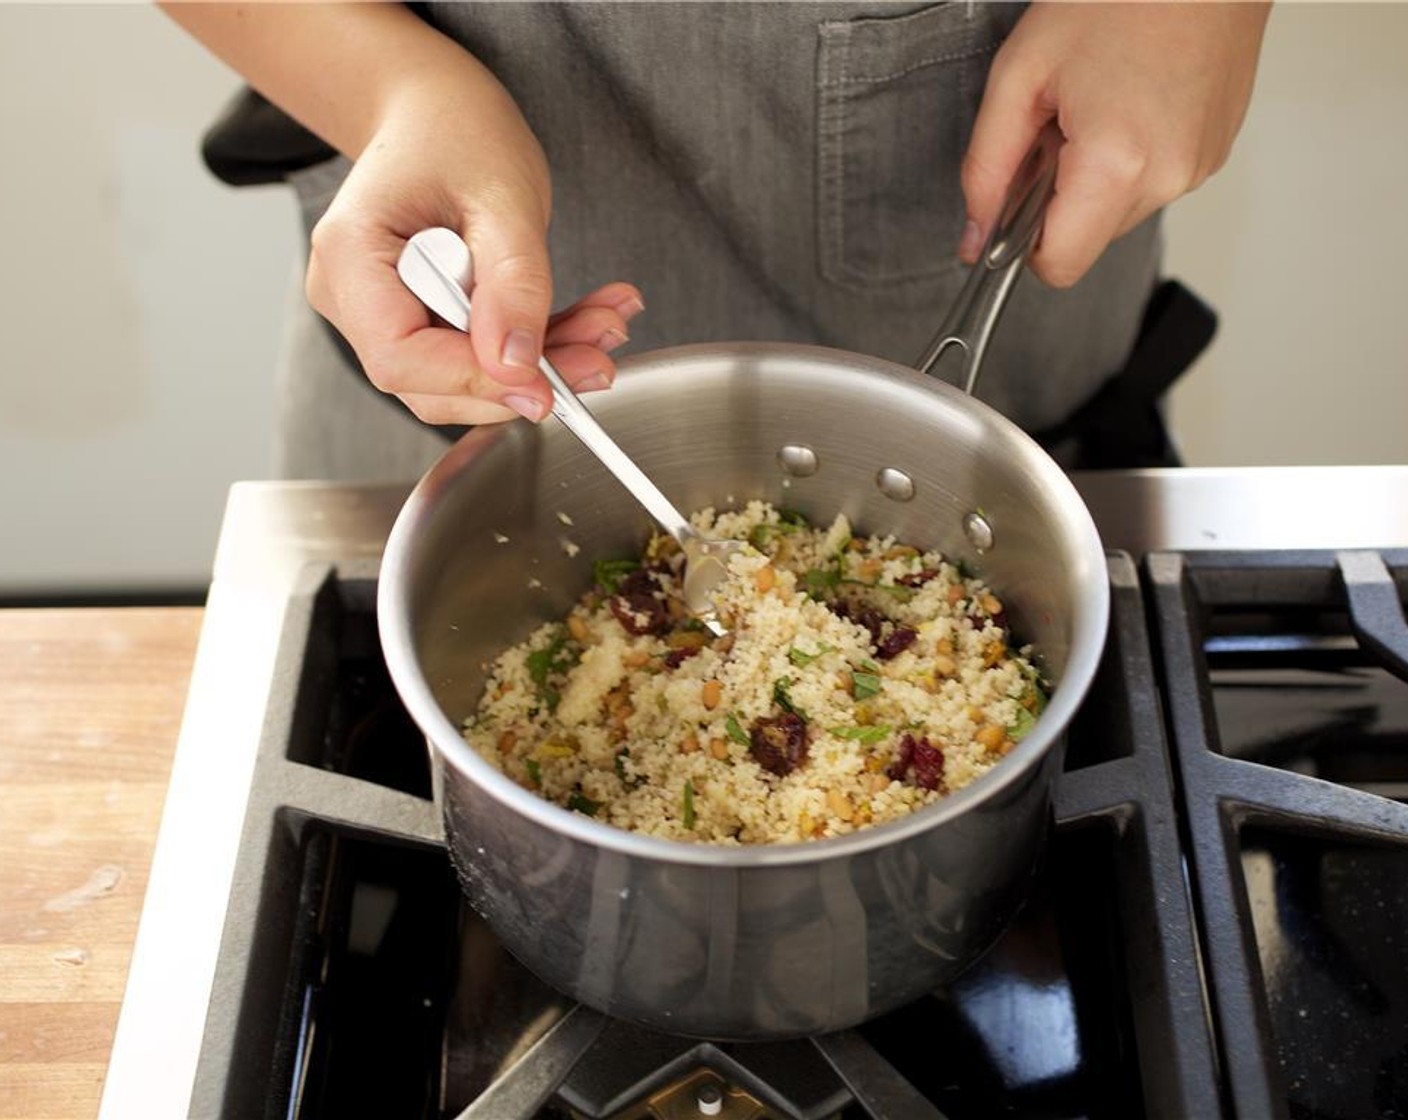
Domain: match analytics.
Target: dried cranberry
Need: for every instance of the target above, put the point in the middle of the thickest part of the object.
(779, 743)
(639, 581)
(928, 765)
(677, 657)
(868, 617)
(641, 613)
(897, 769)
(979, 619)
(636, 606)
(895, 642)
(921, 756)
(917, 579)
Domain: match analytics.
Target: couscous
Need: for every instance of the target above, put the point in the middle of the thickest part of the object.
(861, 679)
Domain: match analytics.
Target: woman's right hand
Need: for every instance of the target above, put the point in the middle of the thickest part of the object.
(436, 141)
(453, 150)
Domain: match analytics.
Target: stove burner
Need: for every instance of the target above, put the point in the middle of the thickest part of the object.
(354, 979)
(1090, 1005)
(700, 1094)
(634, 1074)
(1285, 678)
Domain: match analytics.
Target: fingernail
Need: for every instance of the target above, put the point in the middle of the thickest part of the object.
(629, 309)
(520, 350)
(530, 408)
(593, 383)
(610, 339)
(971, 241)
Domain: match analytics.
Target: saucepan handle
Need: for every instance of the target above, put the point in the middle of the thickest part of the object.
(963, 338)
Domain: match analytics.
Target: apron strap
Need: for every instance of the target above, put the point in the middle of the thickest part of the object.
(1122, 426)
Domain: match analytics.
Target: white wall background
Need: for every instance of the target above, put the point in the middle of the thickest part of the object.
(139, 303)
(137, 374)
(1301, 243)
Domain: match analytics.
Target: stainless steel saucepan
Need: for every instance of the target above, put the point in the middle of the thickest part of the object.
(764, 941)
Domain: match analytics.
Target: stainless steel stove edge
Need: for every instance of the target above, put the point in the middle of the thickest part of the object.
(272, 530)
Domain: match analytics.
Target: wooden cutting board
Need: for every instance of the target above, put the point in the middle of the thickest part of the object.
(90, 708)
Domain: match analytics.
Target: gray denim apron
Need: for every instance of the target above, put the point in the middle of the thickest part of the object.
(762, 171)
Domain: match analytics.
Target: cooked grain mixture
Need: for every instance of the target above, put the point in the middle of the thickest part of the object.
(861, 679)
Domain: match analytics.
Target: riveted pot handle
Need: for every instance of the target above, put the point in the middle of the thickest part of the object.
(963, 338)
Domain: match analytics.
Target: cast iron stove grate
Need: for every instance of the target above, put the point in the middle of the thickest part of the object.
(1286, 678)
(353, 980)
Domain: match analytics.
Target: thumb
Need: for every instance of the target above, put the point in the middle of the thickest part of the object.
(1010, 115)
(512, 297)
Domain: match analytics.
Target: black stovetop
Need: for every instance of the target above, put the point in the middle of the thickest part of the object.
(1220, 927)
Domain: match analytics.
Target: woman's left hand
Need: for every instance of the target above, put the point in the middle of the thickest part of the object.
(1149, 97)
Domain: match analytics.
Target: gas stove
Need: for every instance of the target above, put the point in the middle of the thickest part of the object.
(1218, 930)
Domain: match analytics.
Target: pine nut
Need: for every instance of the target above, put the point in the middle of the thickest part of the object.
(991, 736)
(839, 804)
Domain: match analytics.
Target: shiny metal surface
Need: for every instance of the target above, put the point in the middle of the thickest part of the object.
(978, 530)
(798, 461)
(271, 530)
(895, 484)
(755, 941)
(269, 534)
(956, 352)
(436, 266)
(529, 1083)
(1249, 507)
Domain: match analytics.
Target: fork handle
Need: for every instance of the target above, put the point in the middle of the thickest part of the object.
(577, 418)
(437, 267)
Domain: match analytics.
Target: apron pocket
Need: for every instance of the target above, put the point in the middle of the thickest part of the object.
(896, 98)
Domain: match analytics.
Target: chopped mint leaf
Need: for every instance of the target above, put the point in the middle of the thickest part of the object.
(865, 685)
(865, 735)
(580, 803)
(802, 659)
(558, 657)
(609, 573)
(1021, 726)
(735, 731)
(783, 699)
(626, 779)
(902, 594)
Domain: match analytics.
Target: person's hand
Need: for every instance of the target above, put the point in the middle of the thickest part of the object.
(453, 150)
(437, 142)
(1149, 97)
